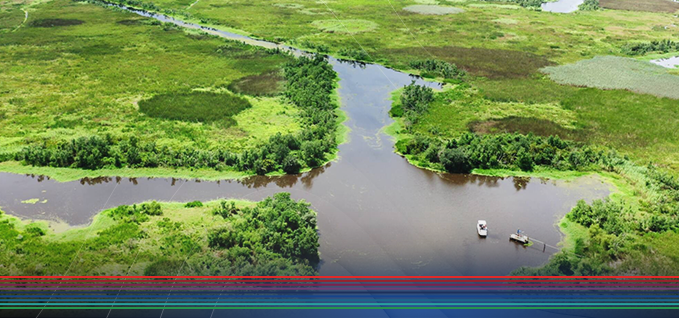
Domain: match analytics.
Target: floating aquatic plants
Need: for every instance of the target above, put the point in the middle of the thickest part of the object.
(612, 72)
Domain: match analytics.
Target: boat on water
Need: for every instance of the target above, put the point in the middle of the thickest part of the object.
(482, 228)
(519, 237)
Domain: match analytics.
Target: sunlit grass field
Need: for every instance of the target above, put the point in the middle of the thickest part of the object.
(77, 69)
(502, 47)
(557, 37)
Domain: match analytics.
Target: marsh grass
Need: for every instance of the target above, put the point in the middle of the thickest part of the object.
(197, 106)
(635, 124)
(611, 72)
(525, 125)
(90, 78)
(432, 9)
(490, 63)
(641, 5)
(351, 26)
(265, 84)
(10, 18)
(460, 109)
(51, 23)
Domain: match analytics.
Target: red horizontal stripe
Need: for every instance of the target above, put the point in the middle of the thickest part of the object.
(210, 281)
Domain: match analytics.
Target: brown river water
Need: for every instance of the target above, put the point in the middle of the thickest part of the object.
(377, 214)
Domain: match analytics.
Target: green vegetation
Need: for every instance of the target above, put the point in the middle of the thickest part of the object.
(524, 3)
(143, 60)
(345, 26)
(443, 69)
(432, 9)
(204, 107)
(641, 5)
(662, 46)
(267, 84)
(186, 125)
(167, 239)
(589, 5)
(631, 123)
(403, 36)
(610, 72)
(193, 204)
(11, 17)
(624, 234)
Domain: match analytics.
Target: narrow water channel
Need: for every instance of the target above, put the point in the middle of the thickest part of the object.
(377, 214)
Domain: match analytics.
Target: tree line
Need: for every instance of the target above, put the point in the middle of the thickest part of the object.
(589, 5)
(656, 46)
(436, 67)
(310, 85)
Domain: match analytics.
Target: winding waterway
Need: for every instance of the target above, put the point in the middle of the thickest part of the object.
(377, 214)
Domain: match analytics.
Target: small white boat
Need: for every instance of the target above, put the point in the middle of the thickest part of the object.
(482, 228)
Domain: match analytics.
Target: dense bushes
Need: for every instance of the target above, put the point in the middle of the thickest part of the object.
(435, 67)
(662, 46)
(226, 209)
(277, 224)
(358, 55)
(136, 214)
(193, 204)
(589, 5)
(414, 101)
(310, 84)
(504, 151)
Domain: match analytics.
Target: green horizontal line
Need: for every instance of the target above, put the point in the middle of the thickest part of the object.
(122, 303)
(215, 307)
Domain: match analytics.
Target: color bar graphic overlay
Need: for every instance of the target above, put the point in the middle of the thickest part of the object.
(339, 292)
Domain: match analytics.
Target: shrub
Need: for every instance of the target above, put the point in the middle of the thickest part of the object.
(312, 152)
(524, 161)
(589, 5)
(226, 209)
(222, 237)
(193, 204)
(152, 208)
(662, 46)
(441, 68)
(35, 231)
(415, 99)
(356, 54)
(455, 161)
(291, 164)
